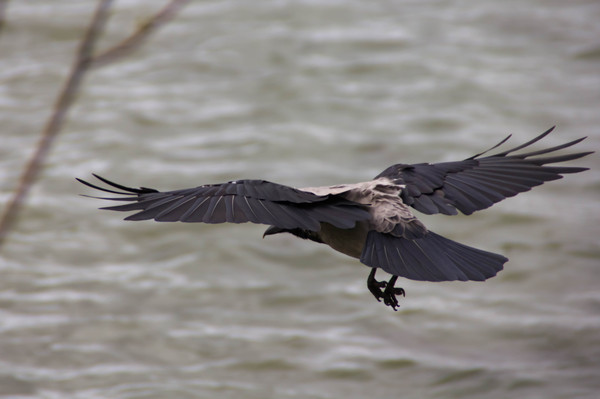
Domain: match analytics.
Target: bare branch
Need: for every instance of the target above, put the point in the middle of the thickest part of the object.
(3, 4)
(84, 60)
(61, 107)
(137, 38)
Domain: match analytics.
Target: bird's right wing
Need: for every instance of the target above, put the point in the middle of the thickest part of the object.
(241, 201)
(478, 182)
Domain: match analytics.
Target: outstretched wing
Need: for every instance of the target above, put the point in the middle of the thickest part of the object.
(241, 201)
(479, 182)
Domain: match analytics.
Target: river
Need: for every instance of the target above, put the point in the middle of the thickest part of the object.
(302, 93)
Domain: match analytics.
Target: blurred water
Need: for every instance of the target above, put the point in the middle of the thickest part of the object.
(302, 93)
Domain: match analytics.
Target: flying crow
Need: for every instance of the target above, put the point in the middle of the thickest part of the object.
(371, 221)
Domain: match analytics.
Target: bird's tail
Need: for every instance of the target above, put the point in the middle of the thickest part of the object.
(429, 258)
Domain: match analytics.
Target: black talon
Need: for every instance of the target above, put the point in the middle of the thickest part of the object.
(375, 286)
(390, 292)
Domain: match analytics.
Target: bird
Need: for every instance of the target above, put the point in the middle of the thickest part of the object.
(372, 221)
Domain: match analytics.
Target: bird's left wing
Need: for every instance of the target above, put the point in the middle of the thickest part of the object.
(256, 201)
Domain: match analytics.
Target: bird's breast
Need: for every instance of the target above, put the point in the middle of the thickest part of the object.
(347, 241)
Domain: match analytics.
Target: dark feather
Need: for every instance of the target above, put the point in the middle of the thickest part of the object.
(430, 258)
(479, 182)
(256, 201)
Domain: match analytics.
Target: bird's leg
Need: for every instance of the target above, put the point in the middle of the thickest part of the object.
(390, 292)
(375, 286)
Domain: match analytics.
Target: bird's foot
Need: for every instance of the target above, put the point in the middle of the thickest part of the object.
(390, 293)
(375, 286)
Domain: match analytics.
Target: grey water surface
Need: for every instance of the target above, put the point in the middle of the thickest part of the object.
(303, 93)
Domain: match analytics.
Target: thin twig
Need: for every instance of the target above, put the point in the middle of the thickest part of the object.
(3, 4)
(61, 107)
(141, 34)
(83, 62)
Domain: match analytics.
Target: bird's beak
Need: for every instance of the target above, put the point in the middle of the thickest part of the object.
(273, 230)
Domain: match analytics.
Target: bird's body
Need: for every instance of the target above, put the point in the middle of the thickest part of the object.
(381, 198)
(347, 241)
(371, 221)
